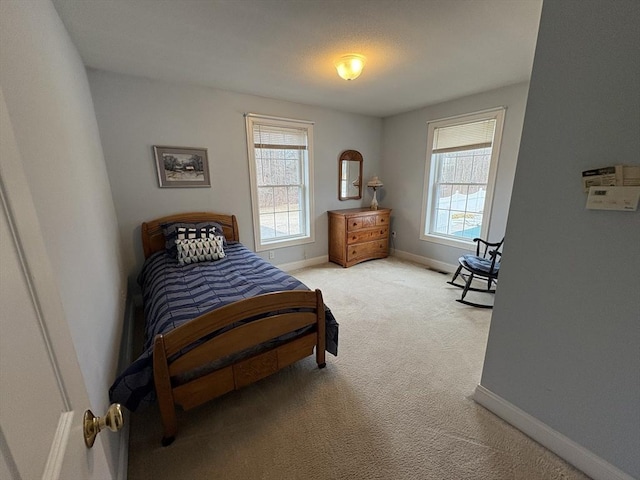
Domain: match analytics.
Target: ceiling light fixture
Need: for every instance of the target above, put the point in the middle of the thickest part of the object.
(350, 66)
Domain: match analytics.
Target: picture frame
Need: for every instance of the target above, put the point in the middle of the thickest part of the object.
(180, 167)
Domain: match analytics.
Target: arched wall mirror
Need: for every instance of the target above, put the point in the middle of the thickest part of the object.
(350, 175)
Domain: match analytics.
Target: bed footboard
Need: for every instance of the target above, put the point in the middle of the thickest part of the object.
(278, 314)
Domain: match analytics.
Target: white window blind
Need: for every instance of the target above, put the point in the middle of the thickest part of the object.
(274, 137)
(467, 136)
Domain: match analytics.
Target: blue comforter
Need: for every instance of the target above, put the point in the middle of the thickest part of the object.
(175, 294)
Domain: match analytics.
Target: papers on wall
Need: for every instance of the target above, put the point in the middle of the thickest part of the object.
(631, 176)
(614, 176)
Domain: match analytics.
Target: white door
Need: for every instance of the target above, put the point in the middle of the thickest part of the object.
(42, 393)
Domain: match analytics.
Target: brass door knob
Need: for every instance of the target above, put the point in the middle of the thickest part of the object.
(113, 420)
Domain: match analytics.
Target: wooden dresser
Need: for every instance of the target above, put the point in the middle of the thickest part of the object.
(358, 234)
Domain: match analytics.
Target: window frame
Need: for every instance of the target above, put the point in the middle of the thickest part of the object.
(307, 182)
(431, 170)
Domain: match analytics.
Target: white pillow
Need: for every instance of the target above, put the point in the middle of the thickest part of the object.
(193, 250)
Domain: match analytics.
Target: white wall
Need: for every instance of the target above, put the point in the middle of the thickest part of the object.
(51, 112)
(404, 153)
(565, 335)
(135, 113)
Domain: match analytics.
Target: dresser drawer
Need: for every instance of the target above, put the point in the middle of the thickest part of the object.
(382, 220)
(368, 250)
(357, 223)
(367, 235)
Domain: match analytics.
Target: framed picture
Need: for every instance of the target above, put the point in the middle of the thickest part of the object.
(182, 166)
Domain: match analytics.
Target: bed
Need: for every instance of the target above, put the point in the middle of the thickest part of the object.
(212, 327)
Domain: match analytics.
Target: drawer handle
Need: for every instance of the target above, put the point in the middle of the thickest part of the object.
(355, 224)
(354, 238)
(382, 220)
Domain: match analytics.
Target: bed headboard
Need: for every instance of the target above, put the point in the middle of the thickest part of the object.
(153, 237)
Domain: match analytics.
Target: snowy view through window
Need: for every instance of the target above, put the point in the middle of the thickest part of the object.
(279, 173)
(460, 194)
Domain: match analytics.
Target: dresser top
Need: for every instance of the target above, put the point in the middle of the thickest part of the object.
(359, 211)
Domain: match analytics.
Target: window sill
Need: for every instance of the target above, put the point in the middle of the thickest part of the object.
(282, 244)
(450, 242)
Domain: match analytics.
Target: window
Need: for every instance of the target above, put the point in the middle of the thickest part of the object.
(280, 166)
(462, 159)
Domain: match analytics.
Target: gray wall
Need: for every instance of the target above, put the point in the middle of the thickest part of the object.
(404, 152)
(565, 335)
(134, 114)
(51, 111)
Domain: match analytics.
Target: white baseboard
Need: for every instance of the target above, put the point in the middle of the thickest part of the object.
(564, 447)
(137, 299)
(123, 453)
(124, 359)
(309, 262)
(427, 262)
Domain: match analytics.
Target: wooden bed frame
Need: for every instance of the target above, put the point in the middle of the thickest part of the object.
(241, 373)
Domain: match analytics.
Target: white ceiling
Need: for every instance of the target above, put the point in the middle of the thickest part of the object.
(419, 52)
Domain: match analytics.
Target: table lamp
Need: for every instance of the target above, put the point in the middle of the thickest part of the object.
(374, 183)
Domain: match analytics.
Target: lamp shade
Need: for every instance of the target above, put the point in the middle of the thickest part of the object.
(350, 67)
(374, 182)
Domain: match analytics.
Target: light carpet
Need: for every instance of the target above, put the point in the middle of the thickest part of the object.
(395, 404)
